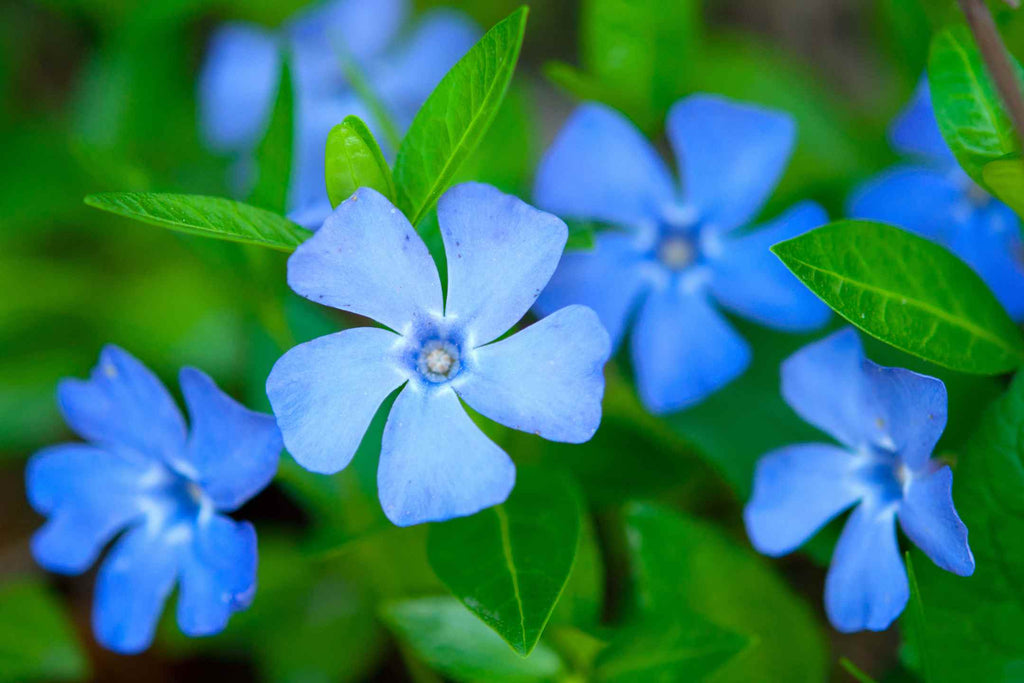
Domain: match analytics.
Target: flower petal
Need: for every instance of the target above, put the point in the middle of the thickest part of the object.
(610, 280)
(683, 350)
(731, 155)
(991, 244)
(547, 379)
(918, 199)
(131, 588)
(367, 259)
(500, 252)
(326, 391)
(929, 519)
(601, 167)
(915, 132)
(904, 412)
(232, 451)
(218, 575)
(435, 464)
(749, 280)
(866, 586)
(124, 404)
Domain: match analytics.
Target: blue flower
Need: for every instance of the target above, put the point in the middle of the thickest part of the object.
(435, 463)
(160, 490)
(933, 197)
(888, 421)
(674, 251)
(242, 68)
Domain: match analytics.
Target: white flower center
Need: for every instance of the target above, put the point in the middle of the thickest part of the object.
(676, 252)
(438, 360)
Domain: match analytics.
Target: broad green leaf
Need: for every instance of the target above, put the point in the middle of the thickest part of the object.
(354, 160)
(510, 563)
(907, 291)
(274, 151)
(1005, 177)
(913, 623)
(216, 217)
(967, 106)
(37, 641)
(680, 564)
(456, 116)
(459, 646)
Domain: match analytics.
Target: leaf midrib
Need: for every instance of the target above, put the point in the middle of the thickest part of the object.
(506, 547)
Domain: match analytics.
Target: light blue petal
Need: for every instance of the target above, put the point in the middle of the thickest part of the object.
(610, 280)
(218, 575)
(730, 155)
(326, 391)
(232, 451)
(797, 490)
(89, 495)
(435, 464)
(601, 167)
(500, 252)
(919, 199)
(367, 259)
(904, 412)
(991, 244)
(124, 404)
(237, 84)
(915, 132)
(929, 520)
(131, 588)
(866, 586)
(547, 379)
(750, 280)
(683, 350)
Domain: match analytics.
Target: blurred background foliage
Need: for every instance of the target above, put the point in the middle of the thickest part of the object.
(100, 95)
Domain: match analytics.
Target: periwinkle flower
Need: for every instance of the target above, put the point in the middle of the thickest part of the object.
(888, 421)
(933, 197)
(242, 68)
(160, 490)
(672, 251)
(434, 462)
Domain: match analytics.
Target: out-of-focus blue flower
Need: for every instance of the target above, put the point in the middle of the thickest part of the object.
(547, 379)
(673, 251)
(242, 67)
(888, 421)
(142, 474)
(933, 197)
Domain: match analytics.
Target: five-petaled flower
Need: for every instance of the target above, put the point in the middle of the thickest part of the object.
(142, 474)
(933, 197)
(672, 250)
(888, 421)
(325, 43)
(435, 463)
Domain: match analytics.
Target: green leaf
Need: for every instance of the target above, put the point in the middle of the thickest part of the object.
(458, 645)
(1005, 177)
(37, 641)
(907, 291)
(354, 160)
(681, 564)
(509, 563)
(914, 622)
(274, 151)
(216, 217)
(967, 106)
(456, 116)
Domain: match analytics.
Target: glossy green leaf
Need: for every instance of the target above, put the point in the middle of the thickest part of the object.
(907, 291)
(1005, 177)
(453, 120)
(459, 646)
(216, 217)
(967, 106)
(274, 151)
(510, 563)
(354, 160)
(37, 641)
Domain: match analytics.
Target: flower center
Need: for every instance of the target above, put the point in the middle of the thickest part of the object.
(676, 252)
(438, 361)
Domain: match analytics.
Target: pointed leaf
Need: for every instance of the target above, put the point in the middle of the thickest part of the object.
(274, 152)
(354, 160)
(1005, 177)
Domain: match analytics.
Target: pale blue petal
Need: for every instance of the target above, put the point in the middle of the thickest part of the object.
(905, 412)
(915, 132)
(218, 575)
(435, 464)
(367, 259)
(601, 167)
(929, 520)
(501, 253)
(730, 155)
(797, 490)
(547, 379)
(921, 200)
(326, 391)
(232, 451)
(991, 244)
(750, 280)
(866, 586)
(683, 350)
(124, 404)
